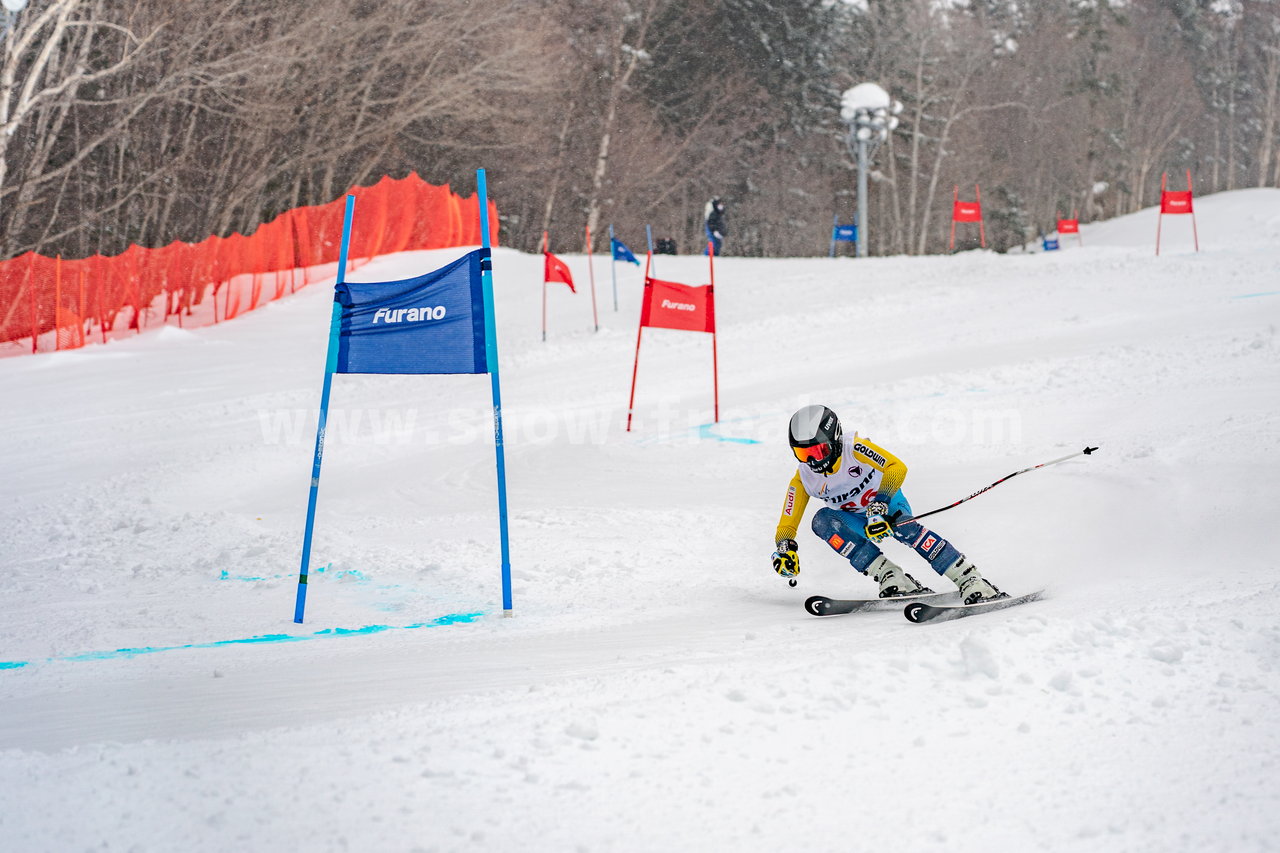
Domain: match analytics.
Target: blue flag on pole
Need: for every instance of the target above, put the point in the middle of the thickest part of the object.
(440, 322)
(433, 323)
(622, 253)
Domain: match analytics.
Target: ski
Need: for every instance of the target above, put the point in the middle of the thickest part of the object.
(921, 611)
(820, 605)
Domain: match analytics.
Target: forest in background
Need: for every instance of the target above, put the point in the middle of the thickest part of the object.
(149, 121)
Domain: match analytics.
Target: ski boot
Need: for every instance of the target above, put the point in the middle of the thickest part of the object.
(894, 582)
(973, 586)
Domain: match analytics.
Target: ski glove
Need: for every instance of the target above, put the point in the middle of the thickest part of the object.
(878, 527)
(786, 560)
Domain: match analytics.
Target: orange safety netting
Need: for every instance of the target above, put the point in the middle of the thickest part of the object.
(54, 303)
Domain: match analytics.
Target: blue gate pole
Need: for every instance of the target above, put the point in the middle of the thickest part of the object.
(491, 358)
(330, 365)
(835, 222)
(648, 236)
(613, 268)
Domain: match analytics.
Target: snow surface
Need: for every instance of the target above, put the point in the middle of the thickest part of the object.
(660, 688)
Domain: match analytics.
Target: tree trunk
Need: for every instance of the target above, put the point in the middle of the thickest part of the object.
(619, 79)
(1270, 96)
(561, 145)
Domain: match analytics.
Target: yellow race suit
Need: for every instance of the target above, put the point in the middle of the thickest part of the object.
(863, 472)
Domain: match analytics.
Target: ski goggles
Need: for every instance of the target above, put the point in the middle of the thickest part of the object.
(814, 452)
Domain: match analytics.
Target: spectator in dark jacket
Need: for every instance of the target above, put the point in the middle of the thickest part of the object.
(714, 220)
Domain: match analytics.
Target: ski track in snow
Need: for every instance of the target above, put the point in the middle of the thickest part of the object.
(659, 687)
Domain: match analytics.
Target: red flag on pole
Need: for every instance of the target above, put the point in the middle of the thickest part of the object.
(1071, 226)
(967, 211)
(670, 305)
(557, 270)
(1175, 202)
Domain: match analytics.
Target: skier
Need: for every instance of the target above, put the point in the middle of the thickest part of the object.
(861, 484)
(713, 219)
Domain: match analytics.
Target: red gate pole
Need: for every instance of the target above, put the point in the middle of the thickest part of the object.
(982, 225)
(1194, 233)
(631, 403)
(591, 273)
(544, 286)
(955, 197)
(1160, 217)
(635, 369)
(711, 307)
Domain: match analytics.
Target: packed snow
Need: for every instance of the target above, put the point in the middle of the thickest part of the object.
(659, 686)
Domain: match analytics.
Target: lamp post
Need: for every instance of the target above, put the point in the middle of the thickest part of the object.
(870, 114)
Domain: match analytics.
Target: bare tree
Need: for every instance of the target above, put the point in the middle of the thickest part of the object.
(49, 55)
(145, 121)
(628, 33)
(1262, 25)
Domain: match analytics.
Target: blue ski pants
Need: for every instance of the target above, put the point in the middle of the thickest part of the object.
(716, 242)
(844, 531)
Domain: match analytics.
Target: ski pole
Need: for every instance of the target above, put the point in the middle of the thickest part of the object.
(1086, 452)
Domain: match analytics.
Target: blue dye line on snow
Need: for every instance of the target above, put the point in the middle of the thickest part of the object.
(225, 575)
(450, 619)
(705, 431)
(1255, 295)
(708, 431)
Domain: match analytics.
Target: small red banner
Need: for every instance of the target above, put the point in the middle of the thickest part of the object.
(1175, 201)
(1068, 226)
(557, 270)
(966, 211)
(669, 305)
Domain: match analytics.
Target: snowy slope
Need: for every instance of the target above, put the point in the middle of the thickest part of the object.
(660, 688)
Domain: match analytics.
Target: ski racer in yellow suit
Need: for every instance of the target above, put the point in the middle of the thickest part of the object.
(861, 483)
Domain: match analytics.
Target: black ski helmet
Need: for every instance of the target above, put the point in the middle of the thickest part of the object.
(815, 436)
